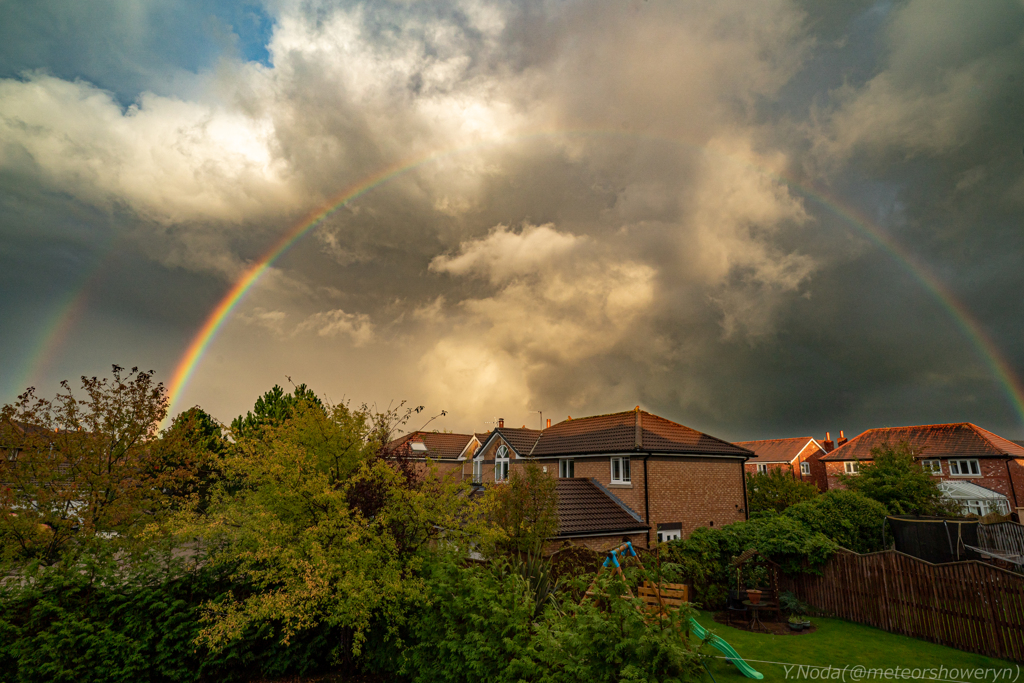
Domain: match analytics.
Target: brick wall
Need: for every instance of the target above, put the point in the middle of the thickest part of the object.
(812, 455)
(994, 476)
(751, 467)
(694, 492)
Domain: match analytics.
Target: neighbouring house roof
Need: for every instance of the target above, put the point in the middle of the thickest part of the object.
(965, 490)
(961, 439)
(440, 446)
(633, 430)
(521, 439)
(776, 450)
(584, 509)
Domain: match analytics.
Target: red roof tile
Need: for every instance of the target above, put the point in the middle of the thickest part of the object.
(932, 441)
(521, 439)
(632, 430)
(776, 450)
(440, 446)
(583, 508)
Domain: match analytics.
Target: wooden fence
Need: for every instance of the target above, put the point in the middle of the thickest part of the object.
(971, 605)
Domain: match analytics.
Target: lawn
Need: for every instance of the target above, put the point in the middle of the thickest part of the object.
(840, 644)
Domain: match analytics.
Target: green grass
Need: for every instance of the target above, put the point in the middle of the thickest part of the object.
(840, 644)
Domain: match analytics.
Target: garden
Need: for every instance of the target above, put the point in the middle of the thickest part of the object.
(291, 544)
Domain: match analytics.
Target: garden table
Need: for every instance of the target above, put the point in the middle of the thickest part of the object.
(755, 615)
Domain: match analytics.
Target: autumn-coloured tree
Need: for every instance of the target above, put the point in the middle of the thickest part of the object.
(79, 466)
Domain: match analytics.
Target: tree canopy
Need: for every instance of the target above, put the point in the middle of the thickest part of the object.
(776, 490)
(895, 478)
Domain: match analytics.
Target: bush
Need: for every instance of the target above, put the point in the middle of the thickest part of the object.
(705, 558)
(479, 623)
(96, 623)
(777, 490)
(850, 519)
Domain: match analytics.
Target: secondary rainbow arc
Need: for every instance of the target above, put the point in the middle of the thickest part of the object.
(986, 348)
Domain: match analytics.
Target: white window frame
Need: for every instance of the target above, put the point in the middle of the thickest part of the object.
(478, 470)
(501, 464)
(805, 469)
(761, 468)
(957, 467)
(851, 467)
(669, 535)
(566, 468)
(622, 465)
(932, 467)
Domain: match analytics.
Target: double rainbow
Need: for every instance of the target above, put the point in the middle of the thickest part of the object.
(186, 367)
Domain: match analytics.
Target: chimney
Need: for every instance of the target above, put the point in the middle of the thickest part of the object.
(827, 443)
(501, 423)
(842, 439)
(549, 422)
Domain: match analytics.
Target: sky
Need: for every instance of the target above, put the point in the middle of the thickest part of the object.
(759, 219)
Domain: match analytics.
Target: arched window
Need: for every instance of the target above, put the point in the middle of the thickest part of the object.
(501, 463)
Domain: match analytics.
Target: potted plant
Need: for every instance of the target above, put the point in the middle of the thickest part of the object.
(796, 623)
(754, 595)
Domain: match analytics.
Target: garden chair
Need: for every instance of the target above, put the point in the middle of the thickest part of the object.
(735, 609)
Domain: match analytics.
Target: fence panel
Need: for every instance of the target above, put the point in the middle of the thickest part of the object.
(970, 605)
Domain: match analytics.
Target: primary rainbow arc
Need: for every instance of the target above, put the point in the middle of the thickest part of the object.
(986, 348)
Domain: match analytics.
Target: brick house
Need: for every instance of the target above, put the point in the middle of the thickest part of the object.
(982, 470)
(799, 456)
(444, 450)
(672, 478)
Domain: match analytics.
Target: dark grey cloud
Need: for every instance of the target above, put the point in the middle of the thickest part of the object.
(596, 215)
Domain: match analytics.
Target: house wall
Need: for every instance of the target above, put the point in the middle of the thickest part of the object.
(994, 476)
(751, 467)
(692, 492)
(812, 454)
(443, 468)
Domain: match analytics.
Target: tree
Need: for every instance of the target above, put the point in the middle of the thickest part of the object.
(896, 479)
(851, 519)
(525, 508)
(82, 467)
(776, 490)
(283, 522)
(192, 446)
(273, 408)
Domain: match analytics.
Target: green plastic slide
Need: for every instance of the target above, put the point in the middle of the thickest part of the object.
(726, 648)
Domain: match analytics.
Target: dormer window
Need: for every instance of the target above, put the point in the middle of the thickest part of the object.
(501, 463)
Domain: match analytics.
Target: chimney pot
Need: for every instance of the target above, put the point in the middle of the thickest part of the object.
(549, 422)
(501, 423)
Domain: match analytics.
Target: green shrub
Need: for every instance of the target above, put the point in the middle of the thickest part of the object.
(706, 556)
(479, 623)
(105, 624)
(777, 490)
(848, 518)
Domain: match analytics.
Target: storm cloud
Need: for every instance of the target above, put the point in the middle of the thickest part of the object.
(760, 220)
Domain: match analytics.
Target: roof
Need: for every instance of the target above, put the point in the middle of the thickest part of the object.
(521, 439)
(965, 490)
(776, 450)
(440, 445)
(585, 509)
(633, 430)
(931, 441)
